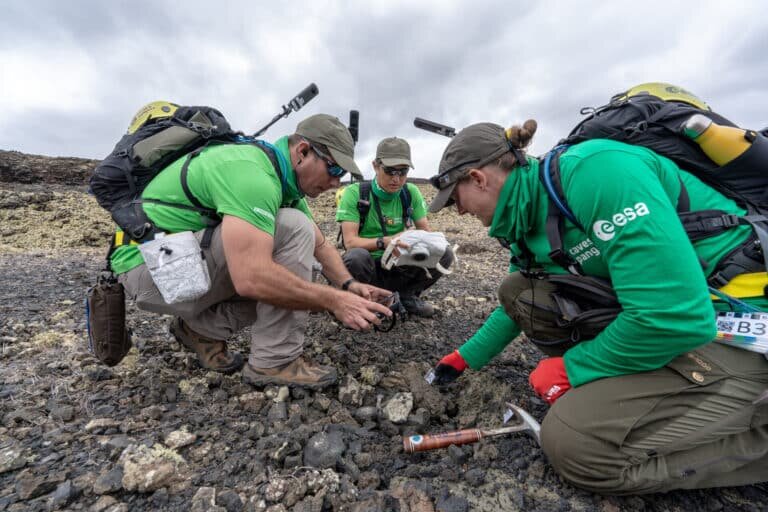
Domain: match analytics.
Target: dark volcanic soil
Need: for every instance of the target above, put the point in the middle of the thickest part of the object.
(158, 433)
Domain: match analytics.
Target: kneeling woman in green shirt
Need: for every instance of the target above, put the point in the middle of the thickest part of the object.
(647, 404)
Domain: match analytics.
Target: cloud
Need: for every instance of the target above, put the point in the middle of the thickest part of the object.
(90, 65)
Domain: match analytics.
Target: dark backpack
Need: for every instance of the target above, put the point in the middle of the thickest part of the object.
(649, 121)
(364, 206)
(118, 181)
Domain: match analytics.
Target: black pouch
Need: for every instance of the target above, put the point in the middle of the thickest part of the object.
(578, 309)
(108, 338)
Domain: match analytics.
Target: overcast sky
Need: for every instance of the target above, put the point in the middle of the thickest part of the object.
(73, 73)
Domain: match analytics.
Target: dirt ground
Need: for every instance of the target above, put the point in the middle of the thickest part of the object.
(156, 432)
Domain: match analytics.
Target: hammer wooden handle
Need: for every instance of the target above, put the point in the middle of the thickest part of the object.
(420, 443)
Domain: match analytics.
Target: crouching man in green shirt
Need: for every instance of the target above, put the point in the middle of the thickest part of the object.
(649, 403)
(372, 213)
(260, 255)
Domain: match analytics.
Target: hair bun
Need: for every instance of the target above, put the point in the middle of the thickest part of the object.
(520, 136)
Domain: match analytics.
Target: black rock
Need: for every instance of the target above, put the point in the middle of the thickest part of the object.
(346, 465)
(457, 454)
(298, 393)
(366, 413)
(230, 500)
(448, 502)
(220, 395)
(5, 501)
(419, 419)
(255, 431)
(323, 450)
(64, 493)
(398, 464)
(293, 461)
(171, 393)
(278, 412)
(159, 498)
(475, 477)
(109, 482)
(104, 410)
(388, 428)
(99, 373)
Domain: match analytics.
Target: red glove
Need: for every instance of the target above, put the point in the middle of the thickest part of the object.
(549, 379)
(449, 368)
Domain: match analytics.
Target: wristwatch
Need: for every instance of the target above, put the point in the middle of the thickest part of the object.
(380, 243)
(346, 284)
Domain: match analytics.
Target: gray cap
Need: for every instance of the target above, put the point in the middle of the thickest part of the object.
(328, 130)
(393, 151)
(473, 147)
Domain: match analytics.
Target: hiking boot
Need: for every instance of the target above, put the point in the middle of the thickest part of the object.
(211, 354)
(418, 307)
(298, 373)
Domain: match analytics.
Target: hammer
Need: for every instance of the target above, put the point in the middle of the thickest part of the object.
(526, 423)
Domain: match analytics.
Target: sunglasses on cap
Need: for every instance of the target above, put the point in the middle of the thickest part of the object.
(394, 171)
(334, 169)
(450, 176)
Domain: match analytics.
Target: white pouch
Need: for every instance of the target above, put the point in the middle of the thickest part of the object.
(177, 266)
(426, 249)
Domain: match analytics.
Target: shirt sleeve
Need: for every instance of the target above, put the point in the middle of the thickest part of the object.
(625, 209)
(347, 209)
(492, 337)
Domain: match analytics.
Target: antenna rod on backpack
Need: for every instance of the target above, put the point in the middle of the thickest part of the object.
(354, 124)
(294, 105)
(431, 126)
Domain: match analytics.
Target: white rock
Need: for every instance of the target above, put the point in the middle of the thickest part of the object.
(148, 469)
(398, 407)
(276, 489)
(282, 394)
(179, 439)
(101, 423)
(11, 458)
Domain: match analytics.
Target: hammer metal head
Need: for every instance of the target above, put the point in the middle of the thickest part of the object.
(525, 419)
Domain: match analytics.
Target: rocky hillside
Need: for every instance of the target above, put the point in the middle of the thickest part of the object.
(156, 432)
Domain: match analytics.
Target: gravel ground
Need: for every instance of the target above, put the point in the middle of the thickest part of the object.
(157, 432)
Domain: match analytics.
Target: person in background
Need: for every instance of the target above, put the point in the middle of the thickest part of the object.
(372, 213)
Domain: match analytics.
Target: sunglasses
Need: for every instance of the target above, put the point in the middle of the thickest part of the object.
(334, 169)
(393, 171)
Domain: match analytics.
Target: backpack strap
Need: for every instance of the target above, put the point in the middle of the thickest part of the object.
(405, 201)
(363, 204)
(212, 215)
(557, 210)
(382, 222)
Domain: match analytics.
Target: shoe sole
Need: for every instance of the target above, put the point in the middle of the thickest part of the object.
(259, 381)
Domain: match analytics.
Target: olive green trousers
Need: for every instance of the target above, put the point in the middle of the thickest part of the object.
(697, 422)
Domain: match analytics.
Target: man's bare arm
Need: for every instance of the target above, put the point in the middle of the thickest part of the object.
(255, 275)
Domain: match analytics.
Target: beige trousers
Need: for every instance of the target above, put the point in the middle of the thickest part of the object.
(277, 335)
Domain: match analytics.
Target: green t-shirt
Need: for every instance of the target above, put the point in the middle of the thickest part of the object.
(391, 210)
(233, 179)
(625, 197)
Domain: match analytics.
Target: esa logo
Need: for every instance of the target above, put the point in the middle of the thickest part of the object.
(606, 229)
